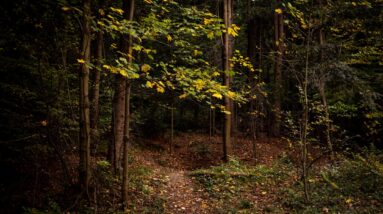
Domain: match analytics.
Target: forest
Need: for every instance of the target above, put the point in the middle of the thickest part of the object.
(191, 106)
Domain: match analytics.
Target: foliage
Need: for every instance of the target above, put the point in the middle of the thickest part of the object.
(230, 179)
(353, 186)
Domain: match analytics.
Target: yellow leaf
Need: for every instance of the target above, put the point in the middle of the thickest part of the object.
(232, 32)
(278, 10)
(207, 21)
(117, 10)
(349, 201)
(145, 68)
(197, 52)
(231, 94)
(160, 89)
(217, 95)
(101, 12)
(65, 8)
(123, 72)
(148, 1)
(81, 61)
(183, 96)
(226, 112)
(149, 84)
(199, 84)
(169, 38)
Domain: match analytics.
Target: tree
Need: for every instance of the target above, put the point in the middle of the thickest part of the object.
(128, 7)
(227, 53)
(99, 56)
(119, 114)
(84, 166)
(279, 49)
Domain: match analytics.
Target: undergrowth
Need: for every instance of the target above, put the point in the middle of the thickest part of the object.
(230, 183)
(354, 185)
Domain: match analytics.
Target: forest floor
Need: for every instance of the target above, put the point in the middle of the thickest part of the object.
(181, 192)
(194, 179)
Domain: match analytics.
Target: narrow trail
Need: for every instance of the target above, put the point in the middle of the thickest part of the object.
(182, 195)
(179, 192)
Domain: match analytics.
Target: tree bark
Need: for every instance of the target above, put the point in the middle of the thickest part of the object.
(84, 166)
(279, 49)
(305, 123)
(321, 88)
(118, 121)
(95, 108)
(128, 7)
(227, 13)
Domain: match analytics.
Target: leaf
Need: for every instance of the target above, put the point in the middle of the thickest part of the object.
(207, 21)
(65, 8)
(81, 61)
(183, 96)
(149, 84)
(123, 72)
(217, 95)
(117, 10)
(210, 35)
(278, 11)
(231, 94)
(160, 89)
(349, 201)
(199, 84)
(169, 38)
(145, 68)
(101, 12)
(233, 30)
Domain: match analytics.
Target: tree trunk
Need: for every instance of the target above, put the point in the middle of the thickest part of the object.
(128, 7)
(321, 88)
(278, 39)
(118, 121)
(305, 123)
(227, 13)
(171, 128)
(84, 166)
(95, 109)
(253, 31)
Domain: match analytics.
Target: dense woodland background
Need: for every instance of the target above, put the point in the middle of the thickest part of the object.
(165, 106)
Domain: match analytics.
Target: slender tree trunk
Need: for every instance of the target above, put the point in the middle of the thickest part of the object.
(171, 128)
(118, 121)
(321, 88)
(128, 7)
(328, 120)
(279, 37)
(227, 14)
(84, 166)
(95, 108)
(305, 123)
(252, 33)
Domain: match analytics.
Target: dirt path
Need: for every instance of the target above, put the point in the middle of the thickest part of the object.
(182, 195)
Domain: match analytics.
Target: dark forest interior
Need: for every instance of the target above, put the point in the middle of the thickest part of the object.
(169, 106)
